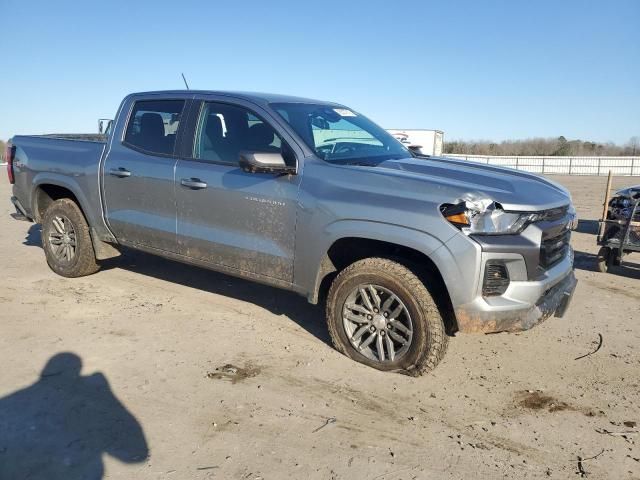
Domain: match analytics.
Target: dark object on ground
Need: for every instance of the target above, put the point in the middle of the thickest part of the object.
(583, 473)
(328, 422)
(591, 353)
(233, 373)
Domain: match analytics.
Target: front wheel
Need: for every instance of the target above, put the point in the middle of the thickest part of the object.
(66, 240)
(381, 314)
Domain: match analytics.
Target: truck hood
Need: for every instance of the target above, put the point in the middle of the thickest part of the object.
(514, 189)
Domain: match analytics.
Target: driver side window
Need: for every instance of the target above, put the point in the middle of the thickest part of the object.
(226, 130)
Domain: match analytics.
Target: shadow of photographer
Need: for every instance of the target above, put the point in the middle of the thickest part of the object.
(60, 426)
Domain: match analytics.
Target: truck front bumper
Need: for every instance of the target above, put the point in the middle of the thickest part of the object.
(524, 305)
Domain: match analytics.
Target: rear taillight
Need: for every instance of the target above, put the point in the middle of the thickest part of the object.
(9, 154)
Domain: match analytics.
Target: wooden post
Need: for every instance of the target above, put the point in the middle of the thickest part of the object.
(605, 206)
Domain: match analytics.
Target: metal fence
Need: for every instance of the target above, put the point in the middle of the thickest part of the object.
(624, 166)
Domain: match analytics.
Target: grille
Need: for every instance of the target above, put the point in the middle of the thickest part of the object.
(554, 248)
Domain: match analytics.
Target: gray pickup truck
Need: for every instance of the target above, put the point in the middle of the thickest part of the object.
(312, 197)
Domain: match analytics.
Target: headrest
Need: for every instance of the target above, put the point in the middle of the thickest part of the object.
(151, 124)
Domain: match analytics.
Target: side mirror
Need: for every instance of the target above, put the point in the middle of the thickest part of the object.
(104, 125)
(264, 162)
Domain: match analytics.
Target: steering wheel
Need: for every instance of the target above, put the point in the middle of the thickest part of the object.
(325, 149)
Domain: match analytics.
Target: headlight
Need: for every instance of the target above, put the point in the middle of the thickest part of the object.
(485, 217)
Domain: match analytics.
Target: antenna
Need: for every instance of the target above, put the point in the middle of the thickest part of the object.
(185, 81)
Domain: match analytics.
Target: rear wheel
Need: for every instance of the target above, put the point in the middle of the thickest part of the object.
(66, 240)
(381, 314)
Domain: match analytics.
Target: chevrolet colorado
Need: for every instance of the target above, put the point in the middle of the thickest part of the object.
(313, 197)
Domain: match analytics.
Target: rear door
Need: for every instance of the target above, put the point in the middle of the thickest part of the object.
(226, 216)
(138, 174)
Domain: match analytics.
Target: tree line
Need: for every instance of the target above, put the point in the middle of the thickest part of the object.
(543, 147)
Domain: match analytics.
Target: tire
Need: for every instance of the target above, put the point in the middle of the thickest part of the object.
(66, 240)
(616, 260)
(603, 259)
(412, 310)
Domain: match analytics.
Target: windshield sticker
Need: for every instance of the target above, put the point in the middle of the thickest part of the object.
(344, 112)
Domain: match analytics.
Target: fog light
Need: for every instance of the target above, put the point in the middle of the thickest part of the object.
(496, 279)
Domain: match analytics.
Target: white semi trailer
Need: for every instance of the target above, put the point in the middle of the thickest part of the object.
(426, 142)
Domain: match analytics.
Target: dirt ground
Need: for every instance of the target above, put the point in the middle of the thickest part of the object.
(189, 374)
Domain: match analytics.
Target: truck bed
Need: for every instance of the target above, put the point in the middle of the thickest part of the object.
(68, 161)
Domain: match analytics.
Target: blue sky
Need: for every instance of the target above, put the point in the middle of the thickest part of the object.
(475, 69)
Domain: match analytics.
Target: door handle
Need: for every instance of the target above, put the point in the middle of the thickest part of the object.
(120, 172)
(193, 183)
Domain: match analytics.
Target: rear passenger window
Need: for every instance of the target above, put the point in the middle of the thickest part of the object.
(226, 130)
(153, 125)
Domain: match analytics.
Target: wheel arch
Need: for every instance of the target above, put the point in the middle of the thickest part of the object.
(48, 190)
(349, 248)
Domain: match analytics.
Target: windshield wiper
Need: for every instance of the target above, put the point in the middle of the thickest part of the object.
(359, 163)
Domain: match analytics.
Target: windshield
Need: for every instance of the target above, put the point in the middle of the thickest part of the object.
(339, 135)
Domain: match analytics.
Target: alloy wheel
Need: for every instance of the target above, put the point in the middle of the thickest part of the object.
(377, 323)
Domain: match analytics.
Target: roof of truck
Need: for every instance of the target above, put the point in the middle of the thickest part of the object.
(255, 97)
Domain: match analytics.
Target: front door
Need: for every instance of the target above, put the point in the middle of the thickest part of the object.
(139, 190)
(243, 221)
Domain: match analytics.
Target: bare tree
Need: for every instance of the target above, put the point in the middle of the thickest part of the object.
(634, 144)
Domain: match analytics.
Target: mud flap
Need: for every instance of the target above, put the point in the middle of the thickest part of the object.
(20, 213)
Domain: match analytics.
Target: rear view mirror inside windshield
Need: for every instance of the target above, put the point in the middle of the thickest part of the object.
(320, 122)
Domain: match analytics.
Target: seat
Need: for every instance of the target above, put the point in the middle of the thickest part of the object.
(211, 147)
(151, 136)
(260, 137)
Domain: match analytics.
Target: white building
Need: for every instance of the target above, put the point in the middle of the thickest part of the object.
(426, 142)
